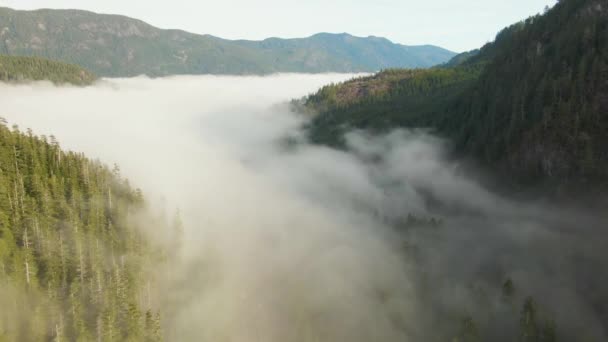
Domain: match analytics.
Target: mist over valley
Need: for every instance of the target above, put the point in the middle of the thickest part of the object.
(161, 185)
(284, 240)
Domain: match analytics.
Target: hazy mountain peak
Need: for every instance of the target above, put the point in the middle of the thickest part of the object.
(114, 45)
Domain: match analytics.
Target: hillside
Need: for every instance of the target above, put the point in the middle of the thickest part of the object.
(111, 45)
(72, 260)
(20, 69)
(532, 105)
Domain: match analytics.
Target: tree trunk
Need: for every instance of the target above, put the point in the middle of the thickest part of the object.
(27, 251)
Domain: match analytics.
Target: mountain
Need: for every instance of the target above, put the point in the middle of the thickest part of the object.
(532, 105)
(118, 46)
(20, 69)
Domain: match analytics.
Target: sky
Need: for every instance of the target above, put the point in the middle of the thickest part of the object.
(458, 25)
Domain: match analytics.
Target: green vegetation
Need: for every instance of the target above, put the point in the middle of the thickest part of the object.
(114, 46)
(531, 105)
(539, 107)
(496, 310)
(20, 69)
(461, 58)
(391, 98)
(531, 327)
(72, 261)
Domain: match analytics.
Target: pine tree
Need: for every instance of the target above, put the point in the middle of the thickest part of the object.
(528, 322)
(62, 217)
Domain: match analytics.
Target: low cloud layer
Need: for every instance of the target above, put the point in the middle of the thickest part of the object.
(286, 241)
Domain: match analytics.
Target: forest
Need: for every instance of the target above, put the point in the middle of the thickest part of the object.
(379, 229)
(73, 262)
(16, 69)
(530, 106)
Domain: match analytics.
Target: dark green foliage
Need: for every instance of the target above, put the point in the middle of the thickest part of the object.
(462, 58)
(528, 322)
(468, 331)
(549, 333)
(508, 289)
(391, 98)
(112, 45)
(539, 108)
(20, 69)
(493, 311)
(532, 330)
(71, 259)
(532, 105)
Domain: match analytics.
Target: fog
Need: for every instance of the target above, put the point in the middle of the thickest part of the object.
(288, 241)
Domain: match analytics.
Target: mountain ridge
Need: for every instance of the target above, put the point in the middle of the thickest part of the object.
(531, 105)
(119, 46)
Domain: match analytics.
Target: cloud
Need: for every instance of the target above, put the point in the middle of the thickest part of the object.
(287, 241)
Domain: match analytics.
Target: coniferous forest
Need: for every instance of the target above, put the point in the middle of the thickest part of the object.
(15, 69)
(531, 105)
(84, 257)
(72, 260)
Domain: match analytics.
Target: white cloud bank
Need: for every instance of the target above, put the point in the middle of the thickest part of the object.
(291, 242)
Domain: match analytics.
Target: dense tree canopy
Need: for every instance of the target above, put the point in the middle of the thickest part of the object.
(532, 104)
(19, 69)
(72, 261)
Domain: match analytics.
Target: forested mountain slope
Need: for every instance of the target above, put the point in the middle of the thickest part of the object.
(72, 263)
(533, 104)
(111, 45)
(21, 69)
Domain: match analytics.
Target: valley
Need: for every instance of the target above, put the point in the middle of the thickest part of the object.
(158, 185)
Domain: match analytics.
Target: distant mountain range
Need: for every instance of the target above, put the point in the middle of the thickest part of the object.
(112, 45)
